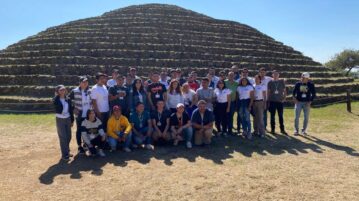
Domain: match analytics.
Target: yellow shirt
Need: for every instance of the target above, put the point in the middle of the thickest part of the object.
(118, 125)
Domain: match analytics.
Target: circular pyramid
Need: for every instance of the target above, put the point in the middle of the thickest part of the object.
(149, 37)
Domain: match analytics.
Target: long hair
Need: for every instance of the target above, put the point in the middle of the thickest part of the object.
(88, 113)
(177, 89)
(240, 83)
(134, 89)
(221, 81)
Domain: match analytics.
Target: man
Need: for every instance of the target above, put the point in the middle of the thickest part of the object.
(80, 98)
(192, 82)
(207, 94)
(304, 93)
(276, 96)
(236, 73)
(128, 82)
(245, 74)
(112, 82)
(132, 73)
(232, 85)
(118, 95)
(264, 81)
(156, 91)
(179, 77)
(214, 78)
(164, 79)
(99, 96)
(141, 127)
(202, 122)
(181, 126)
(119, 130)
(161, 122)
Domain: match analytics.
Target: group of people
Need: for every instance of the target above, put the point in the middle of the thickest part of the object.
(129, 112)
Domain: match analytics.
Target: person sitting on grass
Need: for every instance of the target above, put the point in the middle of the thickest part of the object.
(141, 127)
(202, 121)
(93, 134)
(181, 126)
(161, 123)
(119, 130)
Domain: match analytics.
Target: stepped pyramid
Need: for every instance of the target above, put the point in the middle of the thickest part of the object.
(149, 37)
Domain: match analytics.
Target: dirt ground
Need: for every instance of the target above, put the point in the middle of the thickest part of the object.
(321, 166)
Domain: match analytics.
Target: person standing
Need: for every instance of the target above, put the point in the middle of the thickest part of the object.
(205, 93)
(112, 82)
(264, 81)
(81, 101)
(222, 107)
(156, 91)
(174, 96)
(276, 96)
(64, 120)
(304, 93)
(119, 94)
(260, 96)
(138, 95)
(99, 97)
(245, 97)
(232, 85)
(189, 99)
(202, 121)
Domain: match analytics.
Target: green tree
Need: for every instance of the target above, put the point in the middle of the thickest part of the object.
(347, 59)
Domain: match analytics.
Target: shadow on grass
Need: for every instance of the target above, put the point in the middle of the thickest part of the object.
(220, 150)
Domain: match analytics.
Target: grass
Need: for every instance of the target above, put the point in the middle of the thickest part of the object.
(321, 166)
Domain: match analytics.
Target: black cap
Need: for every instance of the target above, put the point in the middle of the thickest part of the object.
(83, 78)
(98, 75)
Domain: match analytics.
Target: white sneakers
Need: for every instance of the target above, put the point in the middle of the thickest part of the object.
(149, 147)
(126, 149)
(101, 153)
(189, 145)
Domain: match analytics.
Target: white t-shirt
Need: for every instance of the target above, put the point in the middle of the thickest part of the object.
(100, 95)
(111, 83)
(265, 82)
(86, 102)
(65, 110)
(221, 95)
(244, 92)
(174, 99)
(188, 97)
(258, 92)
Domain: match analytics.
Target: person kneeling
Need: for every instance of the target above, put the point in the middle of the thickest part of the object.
(161, 123)
(141, 127)
(119, 130)
(181, 126)
(93, 134)
(202, 121)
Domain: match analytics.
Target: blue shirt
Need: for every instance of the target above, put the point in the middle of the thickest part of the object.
(140, 121)
(208, 117)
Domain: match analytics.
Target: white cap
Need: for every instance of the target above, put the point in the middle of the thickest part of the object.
(179, 105)
(305, 75)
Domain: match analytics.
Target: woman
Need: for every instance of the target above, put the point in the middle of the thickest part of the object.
(174, 95)
(189, 98)
(181, 126)
(222, 107)
(259, 106)
(138, 95)
(93, 134)
(245, 94)
(64, 120)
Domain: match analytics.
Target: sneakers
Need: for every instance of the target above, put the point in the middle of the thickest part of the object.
(304, 132)
(81, 150)
(283, 132)
(262, 135)
(296, 133)
(126, 149)
(224, 134)
(101, 153)
(249, 136)
(189, 145)
(149, 147)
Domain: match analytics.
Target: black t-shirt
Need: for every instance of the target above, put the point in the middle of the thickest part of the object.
(179, 122)
(157, 90)
(161, 119)
(122, 101)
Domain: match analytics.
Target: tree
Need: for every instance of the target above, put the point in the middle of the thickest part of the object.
(347, 59)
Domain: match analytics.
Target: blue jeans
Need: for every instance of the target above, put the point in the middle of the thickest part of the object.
(265, 118)
(232, 109)
(298, 109)
(143, 139)
(113, 142)
(244, 114)
(188, 133)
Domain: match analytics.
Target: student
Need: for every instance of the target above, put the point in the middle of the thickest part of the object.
(264, 81)
(181, 126)
(260, 100)
(118, 95)
(214, 79)
(141, 127)
(304, 93)
(181, 80)
(245, 74)
(161, 122)
(189, 98)
(93, 134)
(164, 79)
(236, 73)
(174, 95)
(192, 82)
(64, 120)
(245, 96)
(202, 121)
(205, 93)
(81, 101)
(119, 130)
(222, 107)
(112, 82)
(276, 96)
(138, 95)
(99, 97)
(232, 85)
(132, 73)
(156, 91)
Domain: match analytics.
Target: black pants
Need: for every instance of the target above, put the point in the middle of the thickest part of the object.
(79, 120)
(104, 118)
(273, 107)
(220, 111)
(97, 142)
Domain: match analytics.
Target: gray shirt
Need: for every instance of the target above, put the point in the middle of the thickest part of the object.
(207, 95)
(276, 90)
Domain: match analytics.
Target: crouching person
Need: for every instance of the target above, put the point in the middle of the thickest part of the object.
(202, 121)
(161, 123)
(141, 127)
(93, 134)
(119, 130)
(181, 126)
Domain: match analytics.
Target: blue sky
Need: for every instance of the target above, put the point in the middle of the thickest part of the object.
(318, 28)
